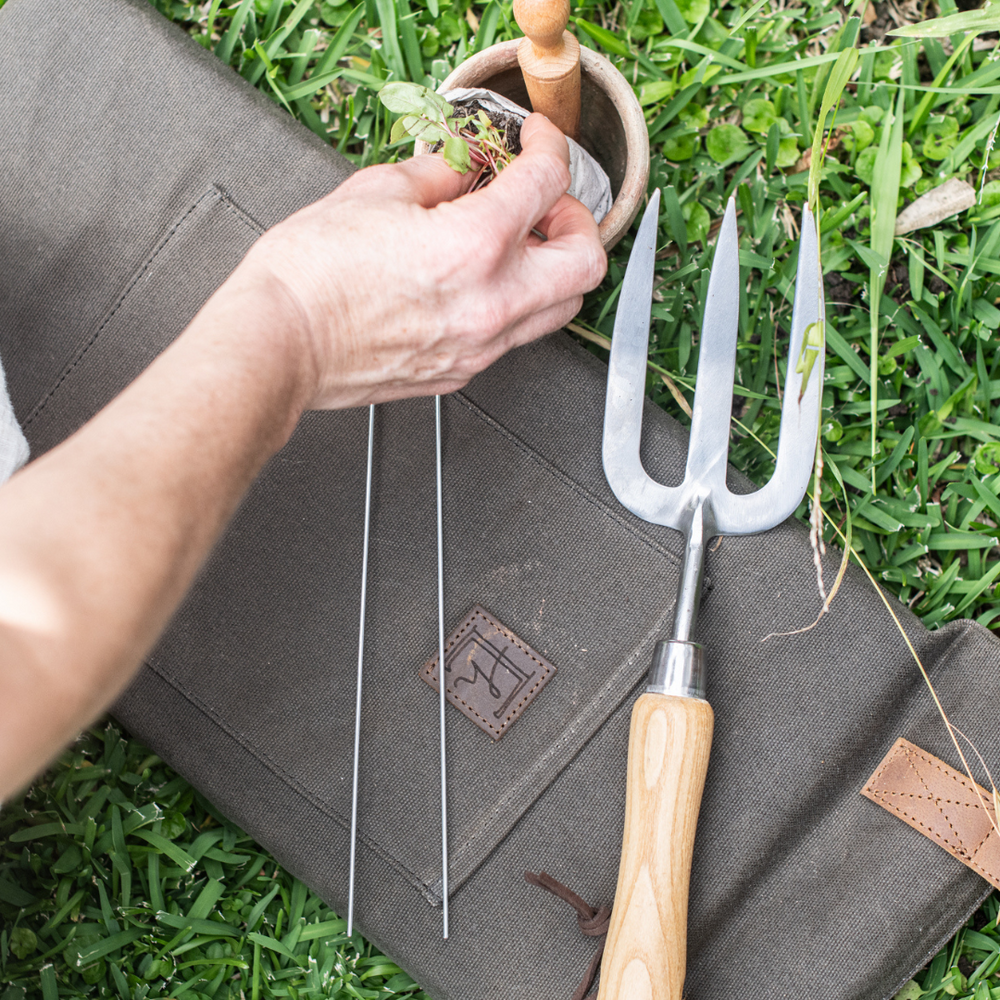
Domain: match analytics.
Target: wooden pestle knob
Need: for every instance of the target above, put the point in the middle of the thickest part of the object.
(549, 57)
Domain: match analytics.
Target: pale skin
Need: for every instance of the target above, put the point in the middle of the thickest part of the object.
(101, 537)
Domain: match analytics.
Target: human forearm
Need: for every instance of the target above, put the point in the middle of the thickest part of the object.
(100, 538)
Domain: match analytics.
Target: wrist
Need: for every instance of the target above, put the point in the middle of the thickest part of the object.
(254, 328)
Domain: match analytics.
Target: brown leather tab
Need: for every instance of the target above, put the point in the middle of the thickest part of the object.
(940, 802)
(492, 675)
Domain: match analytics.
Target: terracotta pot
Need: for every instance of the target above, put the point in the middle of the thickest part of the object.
(612, 127)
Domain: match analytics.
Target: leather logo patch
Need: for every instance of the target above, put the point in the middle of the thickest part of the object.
(491, 675)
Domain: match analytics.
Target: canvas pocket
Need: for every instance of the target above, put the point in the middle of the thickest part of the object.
(182, 269)
(266, 644)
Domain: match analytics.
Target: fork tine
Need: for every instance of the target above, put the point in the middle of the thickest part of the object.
(713, 398)
(800, 410)
(627, 366)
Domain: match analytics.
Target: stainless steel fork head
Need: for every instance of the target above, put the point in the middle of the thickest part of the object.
(704, 492)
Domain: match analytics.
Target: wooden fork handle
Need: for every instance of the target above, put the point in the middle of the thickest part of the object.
(646, 950)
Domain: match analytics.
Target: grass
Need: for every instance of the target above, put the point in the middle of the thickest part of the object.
(135, 885)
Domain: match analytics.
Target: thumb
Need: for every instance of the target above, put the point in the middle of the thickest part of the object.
(527, 189)
(430, 180)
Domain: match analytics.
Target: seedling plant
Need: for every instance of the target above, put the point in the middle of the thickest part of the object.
(466, 141)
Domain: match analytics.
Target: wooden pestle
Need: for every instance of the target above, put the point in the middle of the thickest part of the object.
(549, 57)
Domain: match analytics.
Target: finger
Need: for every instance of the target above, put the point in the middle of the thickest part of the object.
(433, 181)
(569, 262)
(527, 189)
(422, 180)
(569, 219)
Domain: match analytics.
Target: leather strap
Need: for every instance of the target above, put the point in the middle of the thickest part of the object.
(940, 802)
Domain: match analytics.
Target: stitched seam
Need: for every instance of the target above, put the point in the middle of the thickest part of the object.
(908, 755)
(886, 761)
(248, 220)
(566, 739)
(908, 751)
(961, 848)
(212, 192)
(564, 479)
(960, 779)
(948, 772)
(933, 835)
(279, 772)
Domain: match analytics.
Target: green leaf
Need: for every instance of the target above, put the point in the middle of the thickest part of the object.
(224, 50)
(274, 945)
(655, 91)
(47, 981)
(986, 458)
(759, 115)
(90, 953)
(773, 147)
(693, 116)
(426, 131)
(676, 222)
(956, 541)
(910, 991)
(726, 143)
(196, 924)
(842, 71)
(45, 830)
(14, 894)
(176, 854)
(940, 137)
(399, 129)
(311, 86)
(681, 147)
(978, 21)
(860, 136)
(23, 941)
(694, 11)
(672, 17)
(607, 39)
(813, 345)
(456, 154)
(67, 861)
(698, 221)
(328, 61)
(404, 98)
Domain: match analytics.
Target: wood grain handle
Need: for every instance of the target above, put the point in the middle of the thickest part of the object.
(646, 950)
(549, 57)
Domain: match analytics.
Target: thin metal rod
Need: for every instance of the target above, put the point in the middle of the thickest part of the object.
(441, 680)
(361, 657)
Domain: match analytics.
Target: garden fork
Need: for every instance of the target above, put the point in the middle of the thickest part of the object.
(671, 728)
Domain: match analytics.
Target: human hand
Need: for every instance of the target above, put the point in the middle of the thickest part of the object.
(404, 285)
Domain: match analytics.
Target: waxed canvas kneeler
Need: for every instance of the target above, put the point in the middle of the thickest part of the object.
(136, 172)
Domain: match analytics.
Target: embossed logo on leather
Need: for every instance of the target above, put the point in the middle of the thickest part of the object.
(491, 675)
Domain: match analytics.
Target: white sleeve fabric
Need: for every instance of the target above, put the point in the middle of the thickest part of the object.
(13, 445)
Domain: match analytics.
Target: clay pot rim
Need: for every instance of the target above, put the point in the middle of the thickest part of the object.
(503, 56)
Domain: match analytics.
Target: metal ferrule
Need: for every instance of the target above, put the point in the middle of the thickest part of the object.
(678, 666)
(678, 669)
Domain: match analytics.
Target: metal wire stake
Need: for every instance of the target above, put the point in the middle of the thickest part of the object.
(441, 697)
(361, 656)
